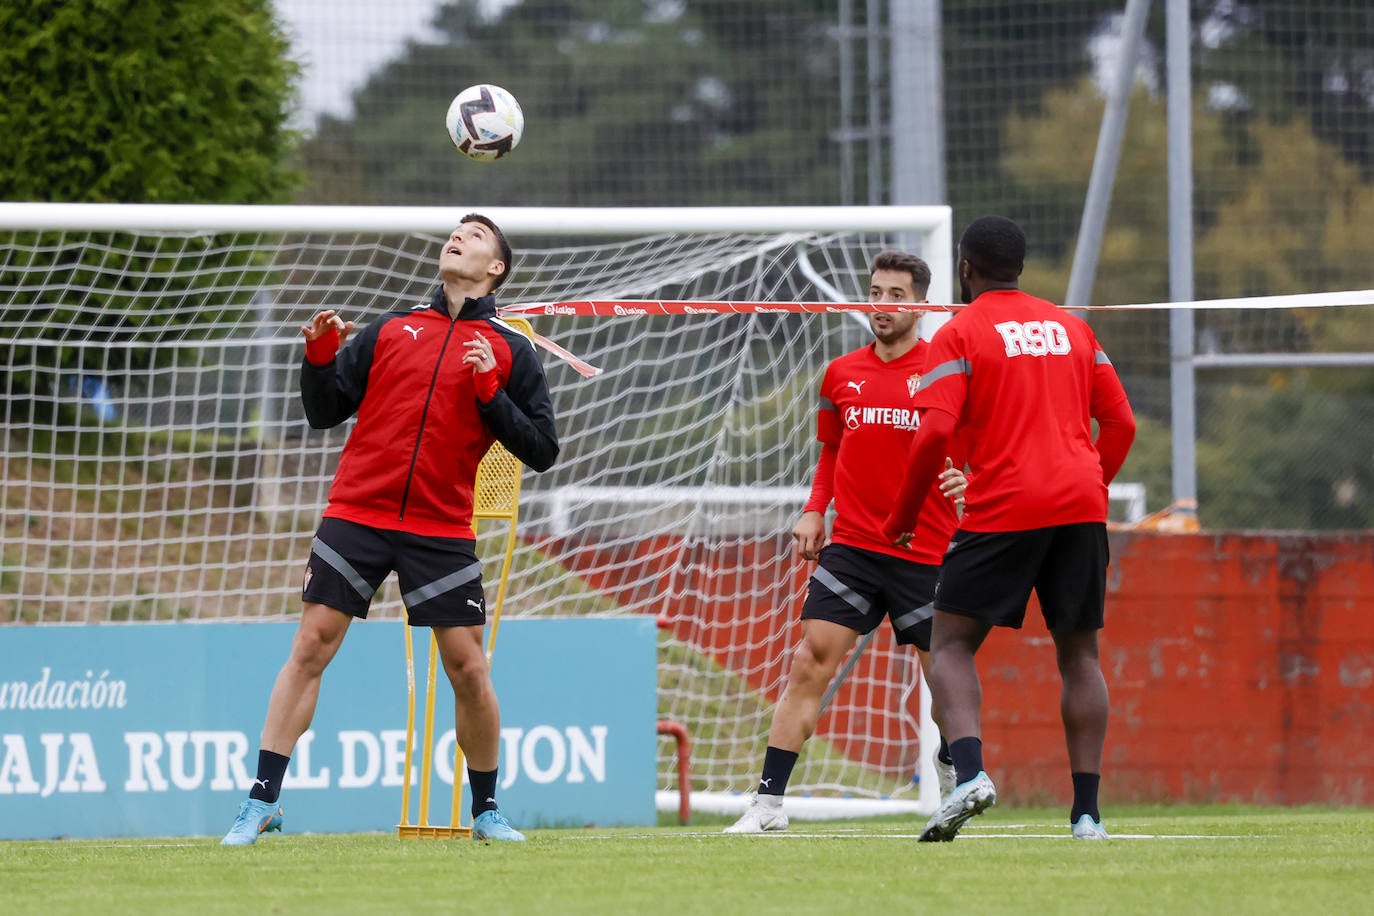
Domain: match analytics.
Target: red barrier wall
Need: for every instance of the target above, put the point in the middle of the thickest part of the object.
(738, 601)
(1241, 665)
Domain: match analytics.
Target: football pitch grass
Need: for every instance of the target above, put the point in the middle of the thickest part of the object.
(1233, 860)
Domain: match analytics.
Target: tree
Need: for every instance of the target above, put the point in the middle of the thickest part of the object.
(144, 102)
(1003, 60)
(1278, 211)
(1314, 61)
(176, 102)
(625, 103)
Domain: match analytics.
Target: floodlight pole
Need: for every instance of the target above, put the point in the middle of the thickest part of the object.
(1108, 155)
(1182, 371)
(917, 105)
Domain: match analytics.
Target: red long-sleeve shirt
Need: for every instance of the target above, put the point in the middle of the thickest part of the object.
(1021, 380)
(865, 424)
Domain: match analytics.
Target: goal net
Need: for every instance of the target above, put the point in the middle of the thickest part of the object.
(157, 466)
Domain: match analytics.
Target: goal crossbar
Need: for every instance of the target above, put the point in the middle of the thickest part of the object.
(549, 221)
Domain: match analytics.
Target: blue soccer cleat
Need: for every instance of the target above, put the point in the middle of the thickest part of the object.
(492, 825)
(966, 801)
(1089, 829)
(255, 818)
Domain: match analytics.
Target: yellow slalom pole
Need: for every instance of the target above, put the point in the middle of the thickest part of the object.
(427, 752)
(410, 730)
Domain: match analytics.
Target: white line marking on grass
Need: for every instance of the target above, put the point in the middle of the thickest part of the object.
(69, 844)
(908, 836)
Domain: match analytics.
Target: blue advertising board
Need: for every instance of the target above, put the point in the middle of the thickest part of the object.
(152, 729)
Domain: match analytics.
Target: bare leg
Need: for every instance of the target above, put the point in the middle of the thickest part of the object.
(297, 688)
(954, 684)
(924, 657)
(823, 646)
(478, 715)
(1083, 702)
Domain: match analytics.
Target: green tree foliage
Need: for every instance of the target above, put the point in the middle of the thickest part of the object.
(1280, 449)
(1325, 52)
(625, 103)
(106, 101)
(1252, 238)
(143, 102)
(1001, 59)
(1281, 455)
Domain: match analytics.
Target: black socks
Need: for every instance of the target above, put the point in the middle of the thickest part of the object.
(777, 769)
(483, 786)
(1085, 796)
(967, 754)
(271, 771)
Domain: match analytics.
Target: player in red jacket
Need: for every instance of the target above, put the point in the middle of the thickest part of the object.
(1021, 380)
(865, 425)
(432, 386)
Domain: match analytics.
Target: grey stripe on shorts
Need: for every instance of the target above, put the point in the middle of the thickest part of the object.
(342, 567)
(439, 586)
(852, 598)
(911, 618)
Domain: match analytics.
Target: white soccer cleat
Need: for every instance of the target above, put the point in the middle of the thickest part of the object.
(945, 776)
(967, 800)
(764, 815)
(1089, 829)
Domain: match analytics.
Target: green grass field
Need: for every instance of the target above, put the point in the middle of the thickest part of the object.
(1161, 860)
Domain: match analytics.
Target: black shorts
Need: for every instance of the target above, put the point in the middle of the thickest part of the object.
(858, 588)
(440, 578)
(989, 576)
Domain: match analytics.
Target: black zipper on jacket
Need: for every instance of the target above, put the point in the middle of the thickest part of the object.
(429, 395)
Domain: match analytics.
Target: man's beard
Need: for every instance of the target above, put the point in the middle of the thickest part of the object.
(965, 294)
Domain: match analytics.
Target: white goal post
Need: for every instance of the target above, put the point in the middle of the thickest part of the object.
(157, 466)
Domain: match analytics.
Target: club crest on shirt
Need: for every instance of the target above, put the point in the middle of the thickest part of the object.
(913, 383)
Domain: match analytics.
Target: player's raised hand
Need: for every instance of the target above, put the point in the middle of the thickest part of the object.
(809, 533)
(953, 483)
(322, 324)
(479, 353)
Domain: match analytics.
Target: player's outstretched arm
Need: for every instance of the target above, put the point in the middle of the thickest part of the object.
(323, 394)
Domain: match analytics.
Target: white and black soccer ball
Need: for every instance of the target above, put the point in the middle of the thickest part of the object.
(485, 122)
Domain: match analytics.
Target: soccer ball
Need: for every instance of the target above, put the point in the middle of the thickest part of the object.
(485, 122)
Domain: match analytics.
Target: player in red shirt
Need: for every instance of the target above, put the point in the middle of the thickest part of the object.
(432, 386)
(865, 425)
(1021, 380)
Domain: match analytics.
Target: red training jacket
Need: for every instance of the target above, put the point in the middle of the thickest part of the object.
(410, 462)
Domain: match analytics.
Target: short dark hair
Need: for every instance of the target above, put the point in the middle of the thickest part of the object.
(506, 256)
(995, 247)
(892, 259)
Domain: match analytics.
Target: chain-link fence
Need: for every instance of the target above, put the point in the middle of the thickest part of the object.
(663, 102)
